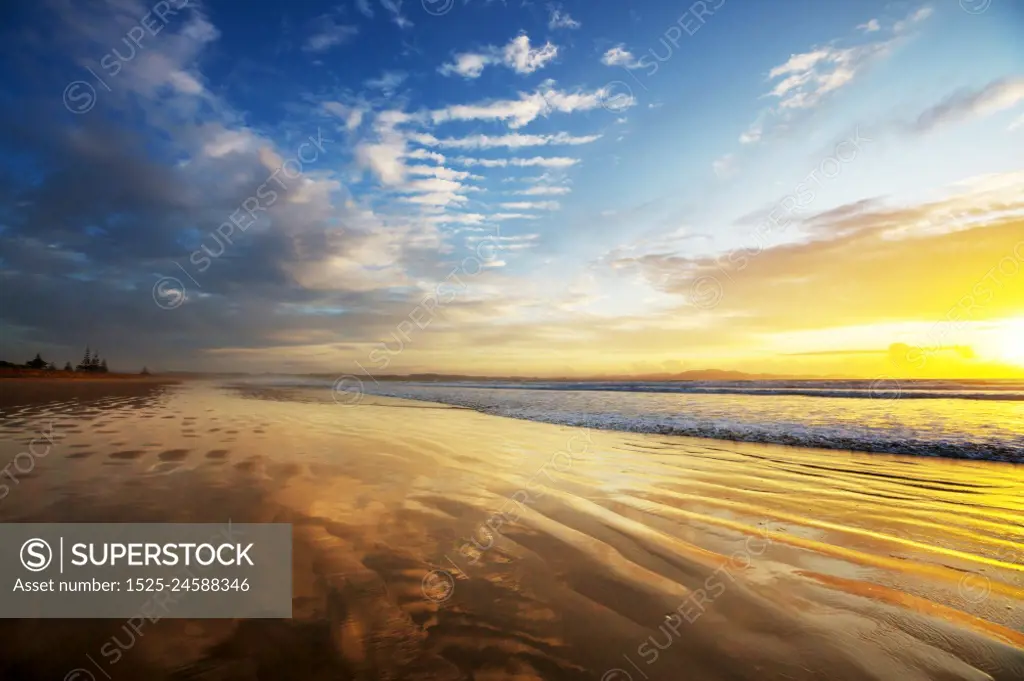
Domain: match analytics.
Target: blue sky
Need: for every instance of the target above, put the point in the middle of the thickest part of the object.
(617, 151)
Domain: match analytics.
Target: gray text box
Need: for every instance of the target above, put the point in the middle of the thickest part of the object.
(157, 571)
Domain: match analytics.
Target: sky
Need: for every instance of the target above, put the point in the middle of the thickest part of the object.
(515, 188)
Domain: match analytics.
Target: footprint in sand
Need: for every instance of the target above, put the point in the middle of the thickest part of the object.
(174, 455)
(219, 454)
(127, 455)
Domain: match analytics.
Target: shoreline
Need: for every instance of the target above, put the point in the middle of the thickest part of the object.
(990, 453)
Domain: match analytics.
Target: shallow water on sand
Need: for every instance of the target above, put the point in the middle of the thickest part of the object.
(433, 542)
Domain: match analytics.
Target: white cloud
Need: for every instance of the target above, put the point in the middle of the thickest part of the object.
(521, 58)
(352, 115)
(519, 112)
(438, 199)
(226, 142)
(442, 173)
(542, 161)
(424, 155)
(999, 95)
(620, 56)
(384, 158)
(871, 26)
(543, 190)
(725, 167)
(560, 19)
(385, 155)
(512, 141)
(517, 55)
(752, 134)
(914, 18)
(388, 82)
(514, 216)
(456, 218)
(1017, 124)
(364, 7)
(467, 65)
(394, 8)
(808, 77)
(328, 33)
(433, 185)
(531, 205)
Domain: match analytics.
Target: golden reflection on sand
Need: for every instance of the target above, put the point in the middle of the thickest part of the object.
(439, 543)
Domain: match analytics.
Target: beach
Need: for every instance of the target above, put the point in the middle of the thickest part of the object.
(433, 541)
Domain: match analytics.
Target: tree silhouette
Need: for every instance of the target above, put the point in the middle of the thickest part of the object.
(103, 366)
(86, 361)
(37, 363)
(67, 367)
(145, 371)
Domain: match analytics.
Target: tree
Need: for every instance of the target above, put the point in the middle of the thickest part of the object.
(67, 367)
(103, 366)
(86, 361)
(145, 371)
(51, 367)
(37, 363)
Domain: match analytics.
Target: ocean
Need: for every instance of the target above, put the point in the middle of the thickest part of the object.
(955, 419)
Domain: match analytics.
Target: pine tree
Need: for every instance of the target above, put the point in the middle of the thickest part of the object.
(145, 371)
(37, 363)
(86, 361)
(67, 367)
(103, 365)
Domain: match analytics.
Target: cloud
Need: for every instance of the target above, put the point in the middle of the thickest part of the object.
(542, 161)
(922, 273)
(752, 134)
(424, 155)
(512, 141)
(388, 82)
(531, 205)
(521, 58)
(915, 17)
(364, 8)
(999, 95)
(725, 167)
(543, 191)
(1017, 124)
(529, 106)
(328, 33)
(620, 56)
(517, 55)
(806, 79)
(394, 9)
(514, 216)
(871, 26)
(352, 115)
(561, 19)
(441, 172)
(467, 65)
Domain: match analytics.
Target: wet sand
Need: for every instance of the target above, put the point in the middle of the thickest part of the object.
(17, 391)
(434, 542)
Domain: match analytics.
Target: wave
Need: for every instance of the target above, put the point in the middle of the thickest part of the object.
(880, 388)
(981, 420)
(980, 430)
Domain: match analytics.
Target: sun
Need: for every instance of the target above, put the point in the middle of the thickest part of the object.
(1010, 342)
